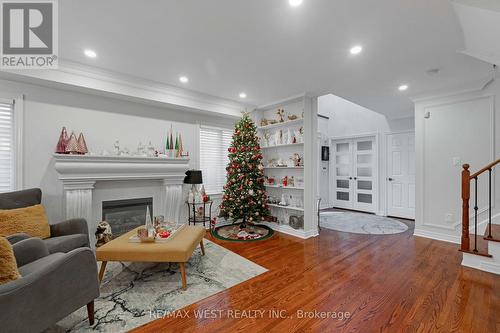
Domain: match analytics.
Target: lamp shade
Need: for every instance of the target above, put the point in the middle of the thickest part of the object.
(193, 177)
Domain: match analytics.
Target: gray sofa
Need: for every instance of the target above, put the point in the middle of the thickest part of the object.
(64, 236)
(52, 286)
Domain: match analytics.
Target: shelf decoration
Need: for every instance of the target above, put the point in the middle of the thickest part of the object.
(62, 142)
(72, 145)
(82, 145)
(281, 115)
(297, 160)
(169, 144)
(180, 149)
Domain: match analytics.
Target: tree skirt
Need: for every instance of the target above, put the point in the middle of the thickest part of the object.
(360, 223)
(251, 233)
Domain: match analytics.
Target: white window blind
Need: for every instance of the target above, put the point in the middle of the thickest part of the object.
(214, 143)
(7, 182)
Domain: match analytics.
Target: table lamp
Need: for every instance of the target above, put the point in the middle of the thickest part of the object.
(194, 178)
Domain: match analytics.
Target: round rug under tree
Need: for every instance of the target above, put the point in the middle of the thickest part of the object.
(251, 233)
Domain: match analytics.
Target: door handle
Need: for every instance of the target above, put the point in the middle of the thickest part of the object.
(355, 178)
(390, 179)
(350, 178)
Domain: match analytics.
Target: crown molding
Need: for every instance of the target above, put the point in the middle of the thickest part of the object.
(87, 79)
(468, 87)
(284, 101)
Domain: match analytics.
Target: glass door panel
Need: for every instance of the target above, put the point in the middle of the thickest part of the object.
(343, 191)
(364, 174)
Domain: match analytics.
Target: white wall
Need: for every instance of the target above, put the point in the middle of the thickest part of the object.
(102, 120)
(347, 119)
(462, 128)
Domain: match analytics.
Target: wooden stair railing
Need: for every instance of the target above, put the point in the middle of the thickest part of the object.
(467, 178)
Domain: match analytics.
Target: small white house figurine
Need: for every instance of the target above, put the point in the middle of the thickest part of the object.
(116, 148)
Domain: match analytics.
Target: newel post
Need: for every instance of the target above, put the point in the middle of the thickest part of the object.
(465, 207)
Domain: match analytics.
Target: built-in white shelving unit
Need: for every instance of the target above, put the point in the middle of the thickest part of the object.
(287, 207)
(283, 145)
(284, 168)
(287, 123)
(280, 142)
(285, 187)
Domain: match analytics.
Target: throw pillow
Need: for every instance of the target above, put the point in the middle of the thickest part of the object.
(31, 220)
(8, 266)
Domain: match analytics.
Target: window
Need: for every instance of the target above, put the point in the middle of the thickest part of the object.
(214, 143)
(7, 141)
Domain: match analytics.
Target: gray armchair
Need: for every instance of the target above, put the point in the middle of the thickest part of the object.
(64, 236)
(52, 286)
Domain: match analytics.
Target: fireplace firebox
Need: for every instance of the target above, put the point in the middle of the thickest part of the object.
(125, 215)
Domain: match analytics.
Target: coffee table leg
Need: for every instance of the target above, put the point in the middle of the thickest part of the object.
(183, 275)
(202, 248)
(102, 270)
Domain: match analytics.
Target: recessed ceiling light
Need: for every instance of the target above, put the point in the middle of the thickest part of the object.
(184, 79)
(90, 53)
(295, 3)
(243, 95)
(403, 87)
(356, 49)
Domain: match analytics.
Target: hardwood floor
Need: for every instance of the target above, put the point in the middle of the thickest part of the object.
(388, 283)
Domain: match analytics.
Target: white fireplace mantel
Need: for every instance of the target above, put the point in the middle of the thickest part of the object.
(79, 174)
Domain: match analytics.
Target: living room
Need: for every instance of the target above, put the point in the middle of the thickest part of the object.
(201, 166)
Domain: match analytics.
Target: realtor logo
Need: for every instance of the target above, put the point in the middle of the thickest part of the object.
(29, 34)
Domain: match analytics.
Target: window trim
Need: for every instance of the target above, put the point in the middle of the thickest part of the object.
(18, 126)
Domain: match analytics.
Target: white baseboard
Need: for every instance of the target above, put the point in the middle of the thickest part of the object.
(481, 263)
(437, 236)
(291, 231)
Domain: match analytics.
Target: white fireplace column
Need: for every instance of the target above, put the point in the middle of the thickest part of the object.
(173, 199)
(78, 199)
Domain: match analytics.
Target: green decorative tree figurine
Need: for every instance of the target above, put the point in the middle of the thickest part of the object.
(245, 196)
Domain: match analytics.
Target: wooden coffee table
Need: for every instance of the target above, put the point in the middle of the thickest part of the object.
(178, 249)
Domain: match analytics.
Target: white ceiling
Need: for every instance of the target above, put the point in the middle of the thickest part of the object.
(271, 50)
(480, 21)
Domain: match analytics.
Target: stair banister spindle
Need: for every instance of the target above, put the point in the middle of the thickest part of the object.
(465, 207)
(475, 214)
(489, 204)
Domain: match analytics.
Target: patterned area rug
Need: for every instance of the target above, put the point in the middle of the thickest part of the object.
(232, 232)
(135, 294)
(359, 223)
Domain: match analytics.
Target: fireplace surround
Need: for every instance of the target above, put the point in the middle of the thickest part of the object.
(80, 173)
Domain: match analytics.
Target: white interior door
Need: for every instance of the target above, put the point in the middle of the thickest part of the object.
(342, 170)
(401, 175)
(365, 174)
(354, 170)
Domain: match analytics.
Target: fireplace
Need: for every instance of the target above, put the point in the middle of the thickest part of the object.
(125, 215)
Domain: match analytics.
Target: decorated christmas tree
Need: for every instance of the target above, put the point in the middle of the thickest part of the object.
(245, 196)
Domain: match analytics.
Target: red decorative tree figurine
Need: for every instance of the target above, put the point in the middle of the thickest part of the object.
(72, 145)
(82, 145)
(63, 141)
(245, 196)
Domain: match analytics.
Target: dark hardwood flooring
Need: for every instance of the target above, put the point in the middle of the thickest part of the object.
(390, 283)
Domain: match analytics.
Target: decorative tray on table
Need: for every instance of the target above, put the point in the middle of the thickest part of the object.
(161, 237)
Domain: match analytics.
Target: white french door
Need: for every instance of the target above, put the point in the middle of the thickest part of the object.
(354, 173)
(401, 175)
